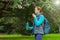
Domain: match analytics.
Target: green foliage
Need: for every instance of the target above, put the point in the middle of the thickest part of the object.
(18, 12)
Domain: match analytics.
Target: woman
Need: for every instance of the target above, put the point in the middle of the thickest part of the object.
(38, 23)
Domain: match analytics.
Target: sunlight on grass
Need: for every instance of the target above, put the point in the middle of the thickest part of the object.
(22, 37)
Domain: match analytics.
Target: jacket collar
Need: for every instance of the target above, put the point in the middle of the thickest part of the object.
(38, 14)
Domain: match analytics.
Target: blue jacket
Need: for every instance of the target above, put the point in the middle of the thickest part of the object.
(38, 20)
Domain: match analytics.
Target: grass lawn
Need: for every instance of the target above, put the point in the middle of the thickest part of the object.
(22, 37)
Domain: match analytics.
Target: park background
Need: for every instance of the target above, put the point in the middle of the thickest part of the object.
(15, 13)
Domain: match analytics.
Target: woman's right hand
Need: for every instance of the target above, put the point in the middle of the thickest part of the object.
(33, 15)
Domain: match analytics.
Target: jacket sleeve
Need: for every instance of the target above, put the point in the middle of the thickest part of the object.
(31, 28)
(40, 21)
(28, 27)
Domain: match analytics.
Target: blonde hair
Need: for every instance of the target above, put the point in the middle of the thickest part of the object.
(39, 8)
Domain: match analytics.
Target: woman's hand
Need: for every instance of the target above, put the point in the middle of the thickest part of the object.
(33, 15)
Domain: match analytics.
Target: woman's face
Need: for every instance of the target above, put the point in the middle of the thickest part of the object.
(36, 10)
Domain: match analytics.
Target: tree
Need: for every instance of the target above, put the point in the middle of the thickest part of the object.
(18, 12)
